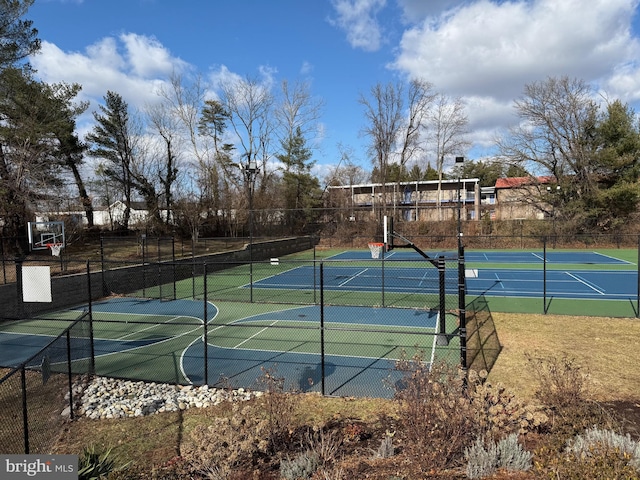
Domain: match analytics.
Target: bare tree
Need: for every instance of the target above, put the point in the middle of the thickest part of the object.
(249, 105)
(448, 122)
(383, 112)
(420, 97)
(166, 154)
(297, 110)
(557, 121)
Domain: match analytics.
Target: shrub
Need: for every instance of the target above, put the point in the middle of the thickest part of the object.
(436, 420)
(303, 466)
(279, 407)
(228, 441)
(507, 453)
(94, 464)
(386, 450)
(563, 390)
(561, 381)
(498, 412)
(442, 411)
(323, 444)
(595, 442)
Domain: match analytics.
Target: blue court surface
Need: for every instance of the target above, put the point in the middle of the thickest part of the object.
(537, 257)
(578, 284)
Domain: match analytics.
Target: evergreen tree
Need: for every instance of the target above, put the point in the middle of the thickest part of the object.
(37, 144)
(302, 191)
(18, 38)
(111, 140)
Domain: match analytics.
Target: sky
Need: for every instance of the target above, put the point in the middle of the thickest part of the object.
(483, 51)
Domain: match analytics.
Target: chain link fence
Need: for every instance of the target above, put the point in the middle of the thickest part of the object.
(37, 395)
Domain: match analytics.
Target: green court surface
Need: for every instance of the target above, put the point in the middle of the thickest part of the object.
(353, 349)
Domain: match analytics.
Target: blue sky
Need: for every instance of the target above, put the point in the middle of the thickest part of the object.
(480, 50)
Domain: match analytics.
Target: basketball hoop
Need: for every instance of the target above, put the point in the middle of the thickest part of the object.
(376, 249)
(55, 248)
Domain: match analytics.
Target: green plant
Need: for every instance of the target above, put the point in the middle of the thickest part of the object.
(507, 453)
(303, 466)
(94, 464)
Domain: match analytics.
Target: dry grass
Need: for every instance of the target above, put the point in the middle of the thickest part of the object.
(606, 348)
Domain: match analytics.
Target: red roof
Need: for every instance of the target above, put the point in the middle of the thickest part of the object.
(515, 182)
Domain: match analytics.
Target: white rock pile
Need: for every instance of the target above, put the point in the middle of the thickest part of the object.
(112, 398)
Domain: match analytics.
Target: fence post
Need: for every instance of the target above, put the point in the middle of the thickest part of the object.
(105, 292)
(25, 415)
(638, 276)
(441, 337)
(322, 326)
(544, 275)
(205, 329)
(462, 312)
(70, 375)
(20, 305)
(92, 360)
(382, 278)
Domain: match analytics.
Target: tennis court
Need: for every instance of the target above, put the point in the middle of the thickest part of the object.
(407, 272)
(520, 257)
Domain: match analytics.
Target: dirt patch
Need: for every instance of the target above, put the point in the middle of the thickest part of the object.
(628, 413)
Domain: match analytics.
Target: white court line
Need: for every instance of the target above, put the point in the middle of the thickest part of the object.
(424, 277)
(584, 282)
(352, 277)
(256, 334)
(614, 258)
(499, 281)
(537, 256)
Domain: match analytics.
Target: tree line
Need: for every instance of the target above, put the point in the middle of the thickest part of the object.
(186, 156)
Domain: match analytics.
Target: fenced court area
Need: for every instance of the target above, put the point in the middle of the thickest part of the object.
(323, 329)
(326, 320)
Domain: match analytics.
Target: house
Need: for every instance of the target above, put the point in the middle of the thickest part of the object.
(414, 200)
(523, 197)
(110, 216)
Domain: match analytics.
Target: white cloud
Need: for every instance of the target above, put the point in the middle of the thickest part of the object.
(146, 57)
(306, 68)
(418, 10)
(223, 76)
(131, 65)
(488, 48)
(358, 19)
(486, 51)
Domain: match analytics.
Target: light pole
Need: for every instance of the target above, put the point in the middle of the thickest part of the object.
(460, 161)
(554, 195)
(250, 171)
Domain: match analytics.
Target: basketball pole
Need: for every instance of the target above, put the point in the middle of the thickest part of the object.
(442, 339)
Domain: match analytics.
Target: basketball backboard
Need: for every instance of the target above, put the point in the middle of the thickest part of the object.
(43, 234)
